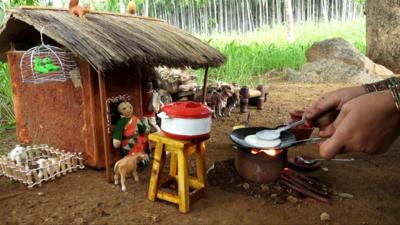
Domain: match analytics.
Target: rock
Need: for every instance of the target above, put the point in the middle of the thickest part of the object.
(345, 195)
(292, 199)
(273, 196)
(336, 60)
(283, 74)
(40, 193)
(325, 169)
(78, 221)
(246, 186)
(155, 218)
(264, 188)
(325, 216)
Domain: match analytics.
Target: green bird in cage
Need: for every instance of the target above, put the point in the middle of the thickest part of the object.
(49, 64)
(44, 66)
(39, 68)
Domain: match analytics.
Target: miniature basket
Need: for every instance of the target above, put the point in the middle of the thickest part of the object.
(45, 63)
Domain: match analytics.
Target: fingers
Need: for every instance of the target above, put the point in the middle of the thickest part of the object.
(327, 131)
(296, 114)
(331, 147)
(326, 119)
(337, 142)
(322, 106)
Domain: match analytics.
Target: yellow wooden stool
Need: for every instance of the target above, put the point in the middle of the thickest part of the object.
(189, 187)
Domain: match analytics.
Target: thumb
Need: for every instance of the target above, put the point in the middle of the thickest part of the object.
(321, 107)
(329, 148)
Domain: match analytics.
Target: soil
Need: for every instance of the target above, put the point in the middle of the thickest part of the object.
(85, 197)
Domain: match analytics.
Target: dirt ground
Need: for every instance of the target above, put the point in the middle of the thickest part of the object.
(84, 197)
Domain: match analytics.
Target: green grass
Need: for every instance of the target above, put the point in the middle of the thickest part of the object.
(7, 117)
(253, 54)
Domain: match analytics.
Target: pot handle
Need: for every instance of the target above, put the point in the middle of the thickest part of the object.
(163, 115)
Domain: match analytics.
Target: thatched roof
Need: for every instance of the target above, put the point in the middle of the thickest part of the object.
(108, 41)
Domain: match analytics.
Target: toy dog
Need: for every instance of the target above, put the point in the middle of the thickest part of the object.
(125, 166)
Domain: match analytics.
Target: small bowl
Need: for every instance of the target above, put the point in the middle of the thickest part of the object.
(301, 132)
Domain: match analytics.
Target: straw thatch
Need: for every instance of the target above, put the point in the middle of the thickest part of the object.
(110, 41)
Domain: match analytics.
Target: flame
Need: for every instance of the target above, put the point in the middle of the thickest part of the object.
(270, 152)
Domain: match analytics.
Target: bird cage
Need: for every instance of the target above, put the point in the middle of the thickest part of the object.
(45, 63)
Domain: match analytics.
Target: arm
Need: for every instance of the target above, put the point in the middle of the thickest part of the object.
(334, 100)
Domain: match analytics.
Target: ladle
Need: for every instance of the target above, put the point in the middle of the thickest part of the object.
(312, 161)
(269, 135)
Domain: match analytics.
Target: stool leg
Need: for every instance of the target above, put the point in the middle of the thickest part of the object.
(173, 165)
(183, 181)
(156, 171)
(201, 165)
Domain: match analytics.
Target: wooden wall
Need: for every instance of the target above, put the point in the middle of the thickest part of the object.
(58, 114)
(49, 113)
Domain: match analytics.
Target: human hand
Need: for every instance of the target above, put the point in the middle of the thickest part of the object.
(369, 123)
(324, 111)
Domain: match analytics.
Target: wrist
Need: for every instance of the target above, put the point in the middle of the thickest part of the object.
(368, 88)
(395, 90)
(361, 90)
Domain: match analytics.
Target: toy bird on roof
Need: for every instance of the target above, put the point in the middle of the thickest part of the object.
(132, 7)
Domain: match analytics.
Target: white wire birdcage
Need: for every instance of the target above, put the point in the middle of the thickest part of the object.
(45, 63)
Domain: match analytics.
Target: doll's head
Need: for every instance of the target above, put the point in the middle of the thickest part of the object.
(125, 109)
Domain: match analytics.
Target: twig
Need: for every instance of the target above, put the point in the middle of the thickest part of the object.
(306, 192)
(12, 195)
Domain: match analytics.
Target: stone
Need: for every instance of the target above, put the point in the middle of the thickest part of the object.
(78, 221)
(325, 216)
(292, 199)
(40, 193)
(345, 195)
(273, 196)
(246, 186)
(336, 60)
(264, 188)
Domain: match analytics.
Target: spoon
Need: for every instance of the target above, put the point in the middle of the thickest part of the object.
(312, 161)
(269, 135)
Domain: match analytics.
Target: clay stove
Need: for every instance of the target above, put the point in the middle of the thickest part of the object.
(264, 166)
(261, 166)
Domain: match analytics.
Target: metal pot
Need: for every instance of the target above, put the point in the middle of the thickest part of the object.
(186, 120)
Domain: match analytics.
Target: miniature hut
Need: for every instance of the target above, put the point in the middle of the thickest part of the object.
(112, 53)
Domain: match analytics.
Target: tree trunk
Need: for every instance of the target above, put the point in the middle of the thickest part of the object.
(121, 6)
(383, 28)
(146, 8)
(289, 20)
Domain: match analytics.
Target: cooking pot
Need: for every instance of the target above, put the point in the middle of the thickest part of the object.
(186, 120)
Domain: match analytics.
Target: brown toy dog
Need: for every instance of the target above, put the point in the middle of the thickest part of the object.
(77, 10)
(125, 166)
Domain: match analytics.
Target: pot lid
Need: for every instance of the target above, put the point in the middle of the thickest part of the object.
(187, 109)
